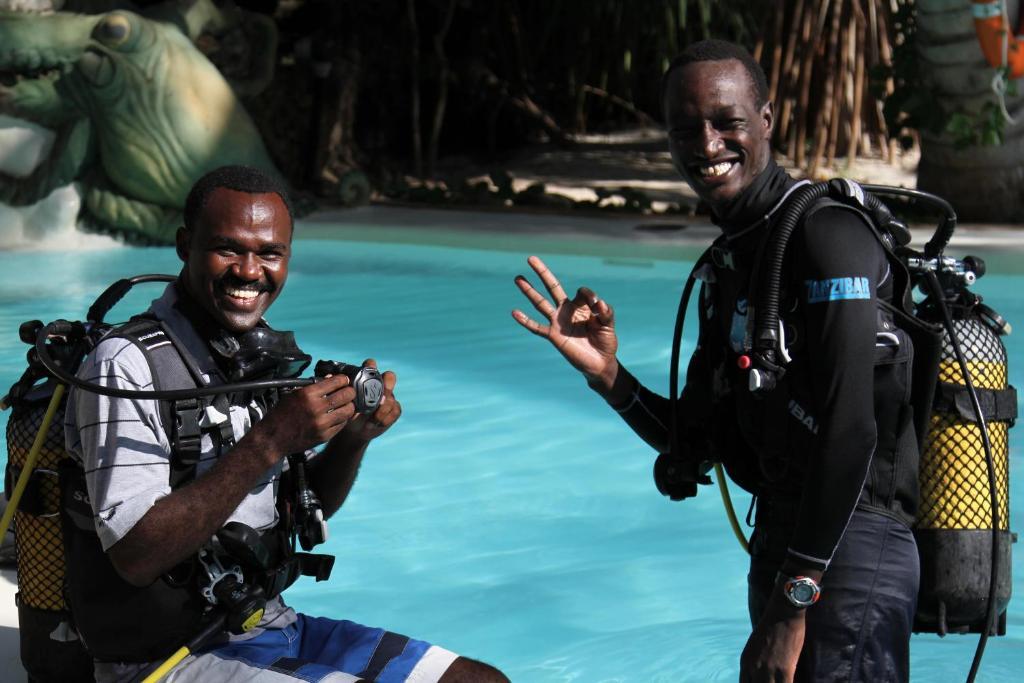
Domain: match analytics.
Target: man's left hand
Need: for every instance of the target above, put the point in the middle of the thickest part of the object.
(368, 426)
(773, 649)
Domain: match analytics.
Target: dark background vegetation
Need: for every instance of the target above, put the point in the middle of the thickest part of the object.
(390, 87)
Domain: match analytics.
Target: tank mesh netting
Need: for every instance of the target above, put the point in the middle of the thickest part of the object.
(40, 541)
(954, 474)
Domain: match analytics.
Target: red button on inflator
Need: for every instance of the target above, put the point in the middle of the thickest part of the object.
(743, 362)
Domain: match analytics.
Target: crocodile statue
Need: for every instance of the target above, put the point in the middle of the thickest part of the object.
(139, 113)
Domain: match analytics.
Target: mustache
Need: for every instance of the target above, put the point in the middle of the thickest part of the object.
(230, 281)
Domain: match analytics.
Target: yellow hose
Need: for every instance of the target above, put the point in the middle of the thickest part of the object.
(166, 667)
(203, 637)
(30, 461)
(723, 488)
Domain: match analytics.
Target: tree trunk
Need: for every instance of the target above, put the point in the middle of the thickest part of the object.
(414, 78)
(443, 74)
(983, 183)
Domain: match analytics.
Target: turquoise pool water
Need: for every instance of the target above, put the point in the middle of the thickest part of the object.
(510, 515)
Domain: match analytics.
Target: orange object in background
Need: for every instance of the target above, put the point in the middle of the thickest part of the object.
(992, 28)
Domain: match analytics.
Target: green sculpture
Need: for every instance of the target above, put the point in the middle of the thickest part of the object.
(139, 115)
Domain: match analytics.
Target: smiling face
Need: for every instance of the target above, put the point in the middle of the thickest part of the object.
(718, 136)
(236, 256)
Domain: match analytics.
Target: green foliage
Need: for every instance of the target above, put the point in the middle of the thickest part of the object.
(982, 128)
(913, 104)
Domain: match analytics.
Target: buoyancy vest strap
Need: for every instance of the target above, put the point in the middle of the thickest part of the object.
(926, 339)
(996, 404)
(74, 497)
(287, 572)
(171, 367)
(33, 497)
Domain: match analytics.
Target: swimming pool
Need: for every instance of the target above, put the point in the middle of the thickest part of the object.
(510, 515)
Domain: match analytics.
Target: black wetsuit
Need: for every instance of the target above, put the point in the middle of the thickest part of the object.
(830, 453)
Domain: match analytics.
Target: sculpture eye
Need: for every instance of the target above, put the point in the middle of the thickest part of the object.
(114, 29)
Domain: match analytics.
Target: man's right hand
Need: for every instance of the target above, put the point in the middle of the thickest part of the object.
(582, 328)
(309, 416)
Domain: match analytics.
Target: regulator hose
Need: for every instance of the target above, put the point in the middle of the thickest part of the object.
(97, 312)
(115, 292)
(63, 328)
(937, 244)
(766, 315)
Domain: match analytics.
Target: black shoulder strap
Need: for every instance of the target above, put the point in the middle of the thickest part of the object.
(172, 367)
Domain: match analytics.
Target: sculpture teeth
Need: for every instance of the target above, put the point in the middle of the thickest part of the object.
(31, 69)
(28, 6)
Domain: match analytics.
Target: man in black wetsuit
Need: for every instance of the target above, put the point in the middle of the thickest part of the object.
(830, 453)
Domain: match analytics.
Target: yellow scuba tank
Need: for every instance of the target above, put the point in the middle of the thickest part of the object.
(50, 649)
(954, 522)
(36, 522)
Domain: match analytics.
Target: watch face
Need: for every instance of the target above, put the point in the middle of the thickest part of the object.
(803, 592)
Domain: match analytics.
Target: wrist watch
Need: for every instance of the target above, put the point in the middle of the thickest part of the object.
(801, 591)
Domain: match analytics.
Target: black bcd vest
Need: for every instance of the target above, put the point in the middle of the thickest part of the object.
(120, 622)
(763, 440)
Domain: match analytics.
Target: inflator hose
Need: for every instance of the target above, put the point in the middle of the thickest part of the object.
(730, 511)
(673, 376)
(673, 383)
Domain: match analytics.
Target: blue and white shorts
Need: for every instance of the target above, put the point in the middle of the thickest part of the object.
(318, 649)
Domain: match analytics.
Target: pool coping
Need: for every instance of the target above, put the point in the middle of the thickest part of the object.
(661, 237)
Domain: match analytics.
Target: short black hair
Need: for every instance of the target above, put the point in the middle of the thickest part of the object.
(239, 178)
(716, 51)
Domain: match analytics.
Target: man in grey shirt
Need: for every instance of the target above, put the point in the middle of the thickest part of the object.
(235, 245)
